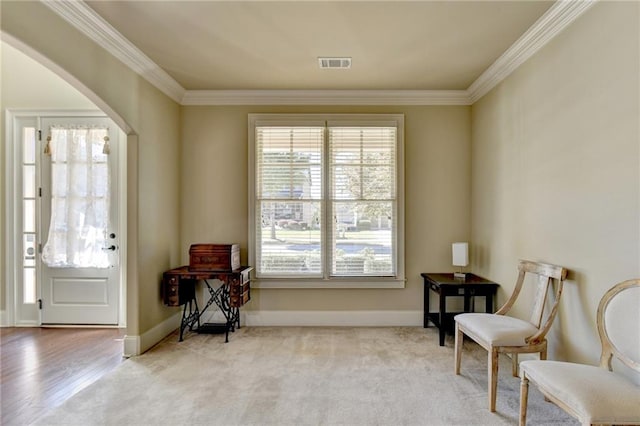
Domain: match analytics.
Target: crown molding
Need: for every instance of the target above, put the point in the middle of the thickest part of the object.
(85, 19)
(557, 18)
(326, 97)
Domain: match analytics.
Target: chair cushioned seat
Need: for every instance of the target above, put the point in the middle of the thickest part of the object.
(498, 330)
(595, 394)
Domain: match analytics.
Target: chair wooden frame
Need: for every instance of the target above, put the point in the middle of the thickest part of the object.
(535, 343)
(609, 350)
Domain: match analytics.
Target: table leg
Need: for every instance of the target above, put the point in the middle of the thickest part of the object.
(197, 311)
(426, 305)
(488, 302)
(183, 323)
(442, 313)
(190, 318)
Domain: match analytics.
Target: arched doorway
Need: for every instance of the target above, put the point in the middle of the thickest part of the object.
(37, 94)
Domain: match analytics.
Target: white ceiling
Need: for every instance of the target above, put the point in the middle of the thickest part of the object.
(262, 52)
(268, 45)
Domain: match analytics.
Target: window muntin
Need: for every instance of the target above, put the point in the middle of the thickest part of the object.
(326, 198)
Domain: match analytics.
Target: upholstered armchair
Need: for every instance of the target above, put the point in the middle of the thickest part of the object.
(596, 394)
(499, 333)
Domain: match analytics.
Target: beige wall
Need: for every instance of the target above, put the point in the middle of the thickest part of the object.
(154, 178)
(437, 178)
(556, 169)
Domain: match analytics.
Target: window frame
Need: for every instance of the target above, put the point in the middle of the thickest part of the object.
(327, 281)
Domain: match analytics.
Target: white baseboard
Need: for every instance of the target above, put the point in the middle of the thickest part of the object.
(136, 345)
(332, 318)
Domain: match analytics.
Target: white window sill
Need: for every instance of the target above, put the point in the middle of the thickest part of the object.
(344, 283)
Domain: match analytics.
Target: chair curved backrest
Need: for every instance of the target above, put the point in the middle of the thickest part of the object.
(609, 348)
(546, 274)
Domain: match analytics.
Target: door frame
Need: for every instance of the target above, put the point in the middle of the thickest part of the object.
(12, 210)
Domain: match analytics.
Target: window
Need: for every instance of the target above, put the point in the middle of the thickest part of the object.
(326, 207)
(80, 201)
(29, 184)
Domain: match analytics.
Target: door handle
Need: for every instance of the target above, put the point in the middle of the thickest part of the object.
(111, 247)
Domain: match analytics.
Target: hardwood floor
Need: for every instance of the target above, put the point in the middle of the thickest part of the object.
(43, 367)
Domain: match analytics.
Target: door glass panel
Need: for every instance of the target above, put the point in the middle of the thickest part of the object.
(29, 145)
(29, 216)
(29, 247)
(29, 180)
(29, 280)
(79, 199)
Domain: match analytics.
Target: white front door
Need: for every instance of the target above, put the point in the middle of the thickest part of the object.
(79, 235)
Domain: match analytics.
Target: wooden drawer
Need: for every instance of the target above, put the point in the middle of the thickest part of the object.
(176, 291)
(171, 291)
(240, 291)
(239, 299)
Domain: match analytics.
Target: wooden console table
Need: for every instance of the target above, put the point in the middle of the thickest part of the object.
(179, 288)
(446, 285)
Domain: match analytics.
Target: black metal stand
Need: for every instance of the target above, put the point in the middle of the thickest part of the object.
(221, 297)
(191, 318)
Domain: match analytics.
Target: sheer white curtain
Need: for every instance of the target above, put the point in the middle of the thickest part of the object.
(79, 198)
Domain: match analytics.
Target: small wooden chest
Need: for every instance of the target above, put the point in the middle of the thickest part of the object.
(214, 257)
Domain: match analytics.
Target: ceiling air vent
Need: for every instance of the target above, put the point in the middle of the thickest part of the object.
(335, 63)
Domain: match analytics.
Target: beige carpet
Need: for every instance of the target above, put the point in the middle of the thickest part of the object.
(303, 376)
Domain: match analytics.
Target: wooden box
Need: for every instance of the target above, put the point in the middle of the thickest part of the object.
(214, 257)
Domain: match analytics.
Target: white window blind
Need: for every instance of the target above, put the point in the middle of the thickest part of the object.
(326, 199)
(289, 200)
(363, 199)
